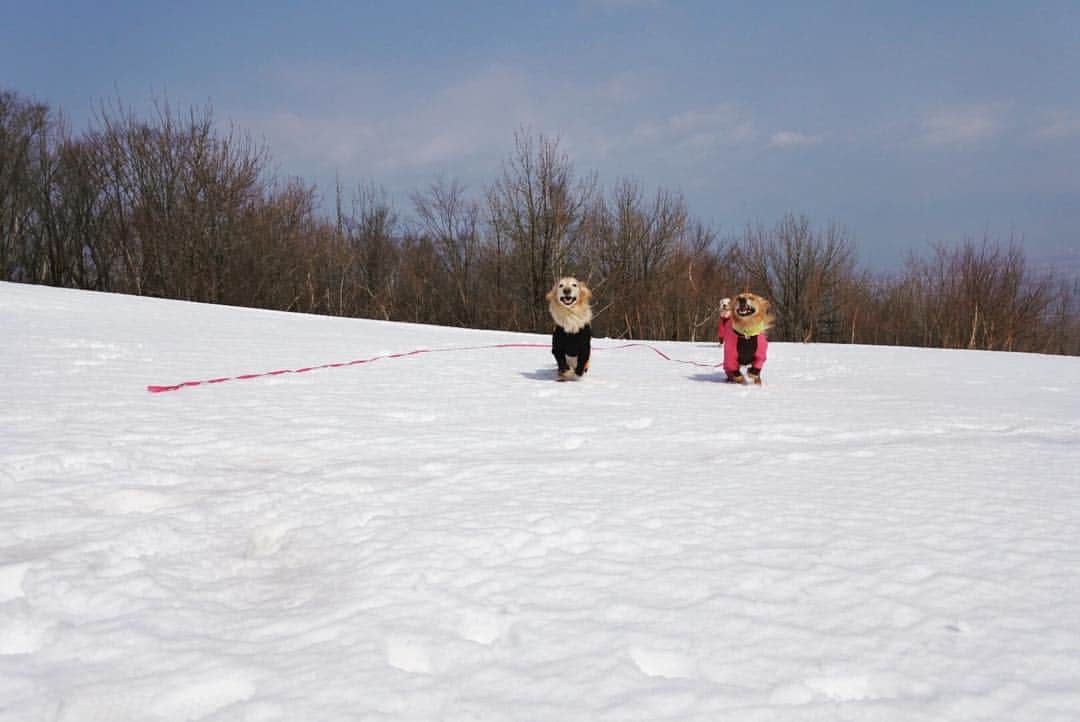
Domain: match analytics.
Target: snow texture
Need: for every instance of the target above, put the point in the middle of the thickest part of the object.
(874, 534)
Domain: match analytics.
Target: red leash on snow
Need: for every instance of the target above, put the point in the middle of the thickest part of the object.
(416, 352)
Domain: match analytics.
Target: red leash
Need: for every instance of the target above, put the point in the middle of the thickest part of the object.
(174, 387)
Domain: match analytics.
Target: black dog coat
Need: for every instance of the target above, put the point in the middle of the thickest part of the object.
(575, 345)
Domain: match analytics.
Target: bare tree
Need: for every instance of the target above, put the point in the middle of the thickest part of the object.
(538, 206)
(279, 249)
(708, 279)
(452, 223)
(799, 270)
(23, 126)
(370, 230)
(70, 213)
(633, 243)
(181, 187)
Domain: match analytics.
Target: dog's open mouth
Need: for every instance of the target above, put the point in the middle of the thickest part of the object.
(567, 300)
(744, 309)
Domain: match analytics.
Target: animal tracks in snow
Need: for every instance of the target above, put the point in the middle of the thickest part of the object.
(483, 626)
(11, 580)
(849, 688)
(20, 633)
(185, 698)
(267, 540)
(409, 655)
(659, 663)
(132, 501)
(195, 699)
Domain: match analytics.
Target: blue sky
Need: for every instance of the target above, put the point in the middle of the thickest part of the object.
(906, 122)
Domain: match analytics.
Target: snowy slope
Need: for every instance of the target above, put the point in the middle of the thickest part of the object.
(876, 534)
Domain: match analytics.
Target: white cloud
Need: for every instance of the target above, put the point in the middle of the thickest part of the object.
(621, 4)
(1058, 125)
(375, 132)
(467, 127)
(965, 125)
(792, 139)
(360, 125)
(723, 125)
(624, 88)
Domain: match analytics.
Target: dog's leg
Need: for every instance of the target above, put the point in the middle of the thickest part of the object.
(755, 374)
(563, 361)
(560, 360)
(582, 364)
(568, 372)
(585, 351)
(734, 377)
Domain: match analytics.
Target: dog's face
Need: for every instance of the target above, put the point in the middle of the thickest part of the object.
(750, 309)
(569, 292)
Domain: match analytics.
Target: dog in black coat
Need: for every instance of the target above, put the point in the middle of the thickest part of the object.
(571, 343)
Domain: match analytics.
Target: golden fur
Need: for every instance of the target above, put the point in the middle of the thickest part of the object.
(750, 311)
(568, 302)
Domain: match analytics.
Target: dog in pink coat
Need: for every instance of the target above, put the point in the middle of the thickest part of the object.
(742, 327)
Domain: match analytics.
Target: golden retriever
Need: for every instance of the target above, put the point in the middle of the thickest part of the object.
(743, 323)
(571, 342)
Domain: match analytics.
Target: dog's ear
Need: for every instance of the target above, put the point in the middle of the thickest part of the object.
(550, 295)
(584, 293)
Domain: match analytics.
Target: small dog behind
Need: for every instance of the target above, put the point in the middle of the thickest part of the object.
(571, 343)
(742, 331)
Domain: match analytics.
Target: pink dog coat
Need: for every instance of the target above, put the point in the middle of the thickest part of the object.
(741, 350)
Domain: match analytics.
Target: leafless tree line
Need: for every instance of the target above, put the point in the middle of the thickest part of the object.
(170, 206)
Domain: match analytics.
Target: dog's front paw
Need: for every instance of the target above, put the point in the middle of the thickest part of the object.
(755, 375)
(734, 377)
(565, 374)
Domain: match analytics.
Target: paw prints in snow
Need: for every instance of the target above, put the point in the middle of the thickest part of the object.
(572, 443)
(133, 501)
(483, 626)
(20, 634)
(409, 655)
(267, 540)
(853, 688)
(198, 698)
(11, 581)
(661, 663)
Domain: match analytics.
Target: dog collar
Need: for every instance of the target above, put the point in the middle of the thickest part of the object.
(752, 331)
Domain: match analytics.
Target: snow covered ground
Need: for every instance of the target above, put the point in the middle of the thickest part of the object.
(875, 534)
